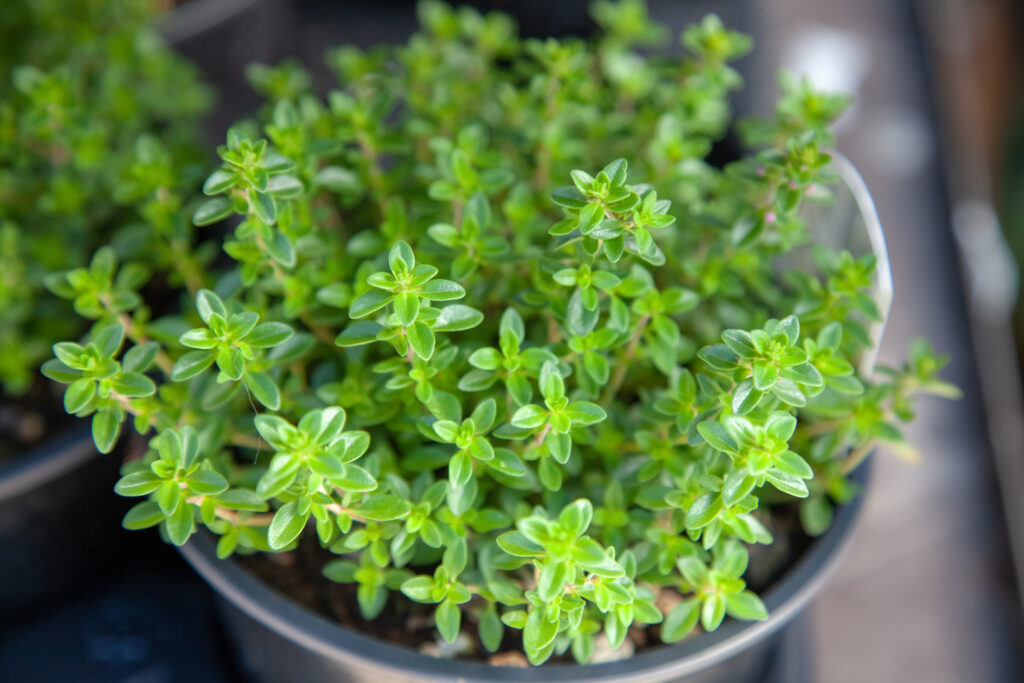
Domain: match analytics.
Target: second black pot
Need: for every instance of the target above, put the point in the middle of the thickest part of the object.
(59, 520)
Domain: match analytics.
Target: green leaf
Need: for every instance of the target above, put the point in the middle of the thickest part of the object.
(206, 483)
(515, 543)
(381, 507)
(596, 366)
(746, 606)
(341, 571)
(419, 589)
(530, 416)
(483, 415)
(106, 427)
(133, 385)
(538, 635)
(355, 478)
(241, 499)
(765, 374)
(407, 307)
(358, 333)
(143, 516)
(78, 394)
(209, 304)
(442, 290)
(560, 446)
(481, 449)
(269, 334)
(455, 557)
(139, 358)
(703, 511)
(485, 359)
(59, 372)
(575, 517)
(712, 612)
(745, 397)
(263, 206)
(137, 484)
(421, 338)
(460, 469)
(790, 326)
(457, 317)
(401, 259)
(448, 618)
(681, 620)
(584, 413)
(263, 388)
(180, 524)
(789, 393)
(515, 619)
(740, 342)
(285, 186)
(109, 340)
(281, 249)
(553, 577)
(736, 486)
(718, 436)
(490, 629)
(169, 496)
(551, 384)
(212, 211)
(219, 181)
(569, 197)
(286, 526)
(369, 303)
(816, 515)
(804, 373)
(787, 483)
(792, 464)
(616, 171)
(550, 474)
(337, 179)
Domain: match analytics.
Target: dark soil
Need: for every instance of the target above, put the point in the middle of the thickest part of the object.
(25, 421)
(409, 624)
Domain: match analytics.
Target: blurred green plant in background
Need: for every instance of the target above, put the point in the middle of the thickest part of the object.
(99, 131)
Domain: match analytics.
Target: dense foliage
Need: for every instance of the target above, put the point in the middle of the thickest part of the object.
(481, 359)
(98, 130)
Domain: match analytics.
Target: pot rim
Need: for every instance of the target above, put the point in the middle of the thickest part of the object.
(47, 461)
(196, 17)
(784, 600)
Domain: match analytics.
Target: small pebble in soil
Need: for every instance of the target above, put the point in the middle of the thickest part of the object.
(638, 635)
(31, 428)
(510, 658)
(442, 649)
(604, 653)
(667, 599)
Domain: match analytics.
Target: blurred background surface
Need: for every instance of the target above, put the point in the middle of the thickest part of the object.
(930, 588)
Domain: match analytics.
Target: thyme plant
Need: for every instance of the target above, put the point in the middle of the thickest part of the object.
(98, 130)
(489, 364)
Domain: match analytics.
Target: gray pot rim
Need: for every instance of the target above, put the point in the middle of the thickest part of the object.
(47, 461)
(784, 600)
(196, 17)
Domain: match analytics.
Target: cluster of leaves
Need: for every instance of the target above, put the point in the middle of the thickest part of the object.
(98, 136)
(563, 412)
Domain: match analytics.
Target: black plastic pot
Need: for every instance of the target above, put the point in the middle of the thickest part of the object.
(59, 520)
(222, 37)
(278, 641)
